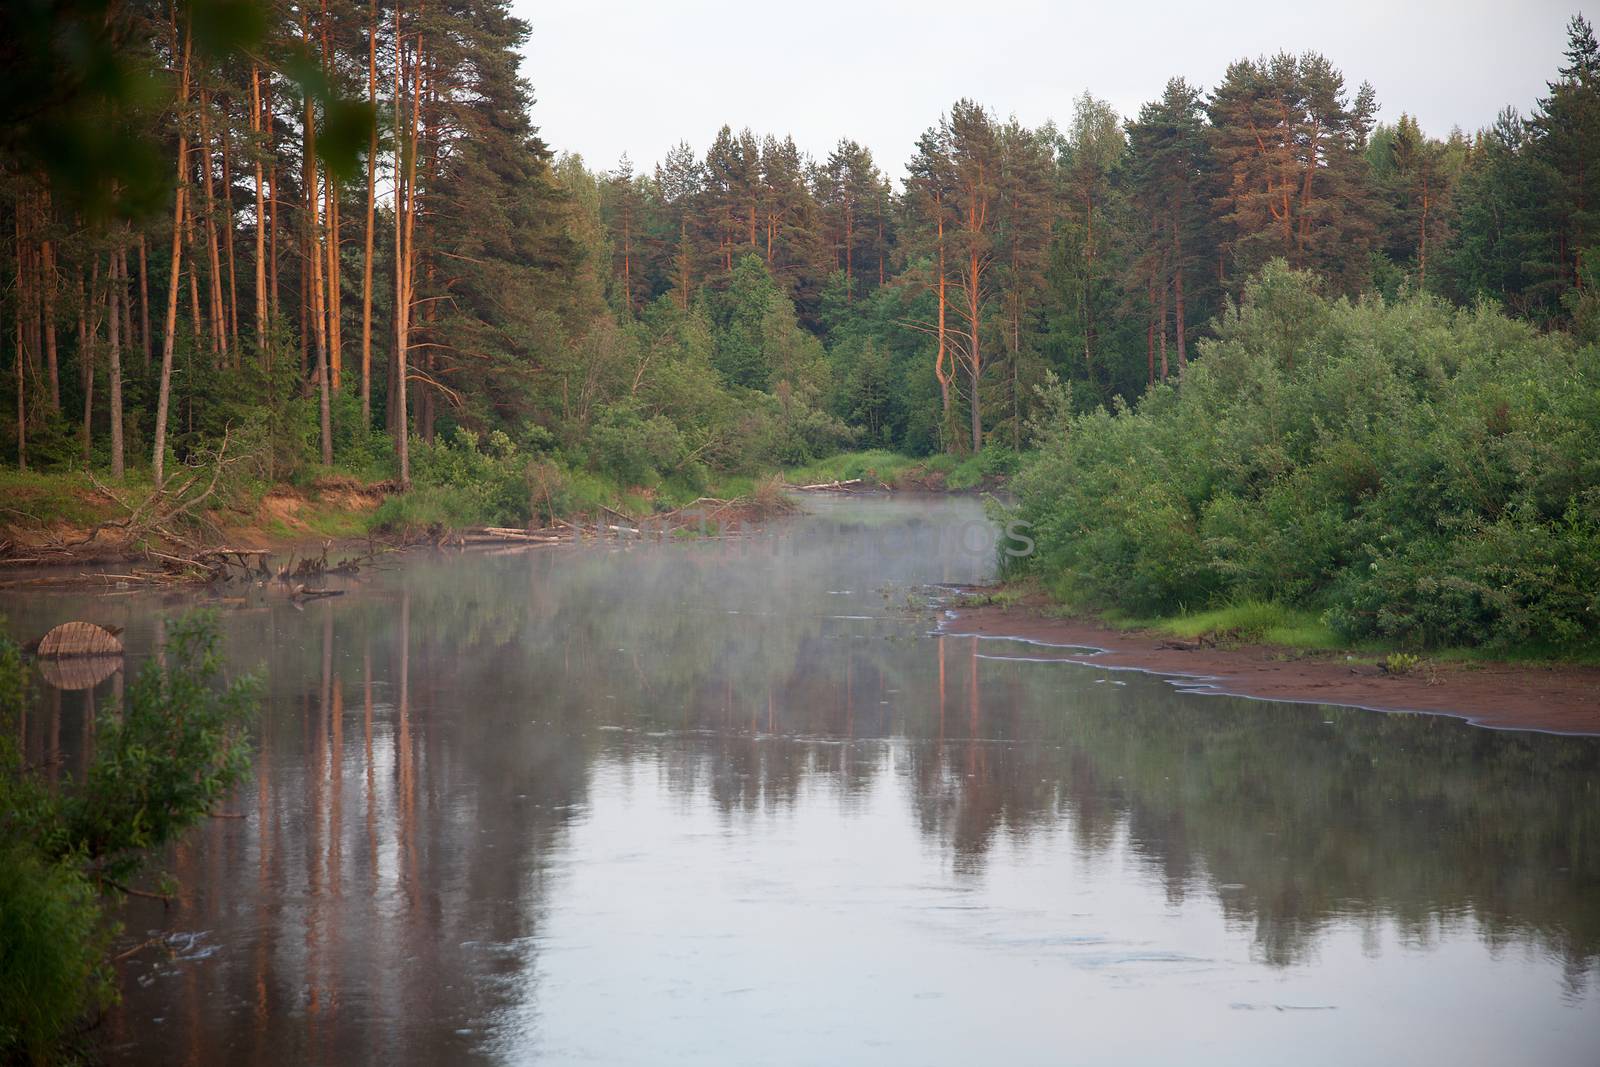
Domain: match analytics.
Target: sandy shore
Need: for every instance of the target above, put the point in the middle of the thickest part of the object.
(1560, 699)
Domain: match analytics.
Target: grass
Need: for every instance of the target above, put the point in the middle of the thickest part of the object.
(878, 465)
(69, 497)
(1255, 622)
(326, 520)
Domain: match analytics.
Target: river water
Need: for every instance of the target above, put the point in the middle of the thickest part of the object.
(731, 801)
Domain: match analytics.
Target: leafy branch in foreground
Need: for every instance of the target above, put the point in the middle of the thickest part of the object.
(158, 769)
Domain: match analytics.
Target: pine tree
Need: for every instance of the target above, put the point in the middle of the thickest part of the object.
(1568, 127)
(1174, 181)
(1292, 148)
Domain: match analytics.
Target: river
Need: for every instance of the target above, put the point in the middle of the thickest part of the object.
(733, 801)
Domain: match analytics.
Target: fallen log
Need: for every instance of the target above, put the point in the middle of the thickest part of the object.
(819, 487)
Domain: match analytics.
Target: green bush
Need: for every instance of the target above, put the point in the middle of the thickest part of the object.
(461, 481)
(1409, 471)
(635, 449)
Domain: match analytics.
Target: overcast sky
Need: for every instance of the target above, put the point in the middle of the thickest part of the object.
(627, 75)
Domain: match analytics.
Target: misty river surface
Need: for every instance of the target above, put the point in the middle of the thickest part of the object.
(732, 801)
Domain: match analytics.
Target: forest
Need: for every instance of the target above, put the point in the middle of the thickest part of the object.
(330, 238)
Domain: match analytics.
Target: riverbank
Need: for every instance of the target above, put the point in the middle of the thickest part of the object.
(69, 528)
(1558, 698)
(72, 519)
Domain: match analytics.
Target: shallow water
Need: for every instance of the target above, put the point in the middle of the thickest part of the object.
(730, 801)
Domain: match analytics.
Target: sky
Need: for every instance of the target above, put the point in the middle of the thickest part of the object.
(637, 77)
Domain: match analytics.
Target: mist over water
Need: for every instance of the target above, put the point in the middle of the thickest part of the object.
(731, 801)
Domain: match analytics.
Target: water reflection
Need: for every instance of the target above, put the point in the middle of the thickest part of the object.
(731, 801)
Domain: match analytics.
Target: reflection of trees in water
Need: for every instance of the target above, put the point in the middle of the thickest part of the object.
(382, 895)
(1418, 820)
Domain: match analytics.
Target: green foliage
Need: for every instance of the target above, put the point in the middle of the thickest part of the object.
(1401, 662)
(1413, 472)
(635, 449)
(461, 481)
(165, 763)
(158, 768)
(52, 952)
(1254, 622)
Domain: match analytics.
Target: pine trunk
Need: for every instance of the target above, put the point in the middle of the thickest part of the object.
(164, 390)
(22, 316)
(86, 364)
(405, 177)
(372, 185)
(272, 205)
(47, 264)
(335, 318)
(939, 370)
(261, 212)
(118, 296)
(219, 314)
(227, 236)
(1177, 291)
(974, 355)
(314, 261)
(1161, 316)
(144, 304)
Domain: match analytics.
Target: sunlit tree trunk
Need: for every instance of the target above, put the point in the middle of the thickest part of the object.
(974, 353)
(314, 260)
(196, 319)
(261, 211)
(164, 390)
(269, 127)
(939, 369)
(330, 195)
(372, 185)
(227, 233)
(335, 338)
(405, 207)
(219, 314)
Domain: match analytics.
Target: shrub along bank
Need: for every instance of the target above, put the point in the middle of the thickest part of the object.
(1405, 471)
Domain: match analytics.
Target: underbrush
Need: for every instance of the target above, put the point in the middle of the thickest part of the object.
(463, 481)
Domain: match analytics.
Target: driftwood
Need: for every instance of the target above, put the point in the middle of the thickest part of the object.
(163, 505)
(827, 487)
(480, 535)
